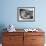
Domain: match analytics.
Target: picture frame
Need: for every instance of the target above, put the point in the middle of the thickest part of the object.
(26, 14)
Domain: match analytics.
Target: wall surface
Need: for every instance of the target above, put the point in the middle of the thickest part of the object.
(8, 13)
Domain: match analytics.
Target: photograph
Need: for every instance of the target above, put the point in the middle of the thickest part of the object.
(26, 14)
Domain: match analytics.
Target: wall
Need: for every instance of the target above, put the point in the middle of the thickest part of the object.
(9, 13)
(8, 9)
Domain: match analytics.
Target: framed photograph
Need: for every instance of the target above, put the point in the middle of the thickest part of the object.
(26, 14)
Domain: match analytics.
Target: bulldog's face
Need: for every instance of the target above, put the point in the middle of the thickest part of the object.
(25, 14)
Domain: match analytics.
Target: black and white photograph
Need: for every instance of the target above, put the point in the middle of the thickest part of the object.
(26, 14)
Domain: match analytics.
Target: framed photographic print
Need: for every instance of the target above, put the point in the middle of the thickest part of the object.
(26, 14)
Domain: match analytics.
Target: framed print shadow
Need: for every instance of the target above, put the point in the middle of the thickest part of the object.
(26, 14)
